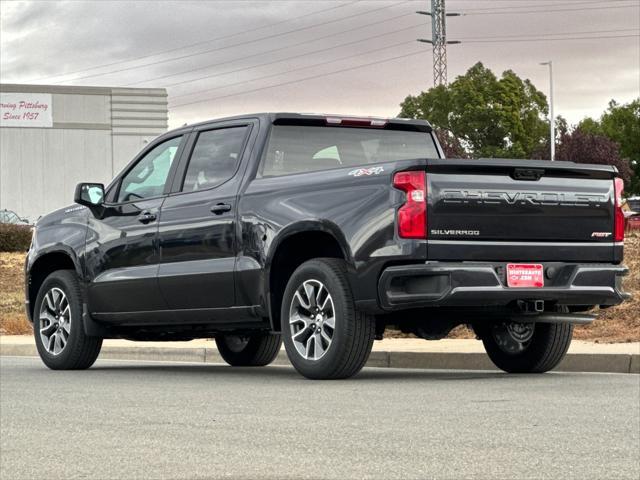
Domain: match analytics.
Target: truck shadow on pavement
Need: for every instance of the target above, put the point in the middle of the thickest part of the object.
(288, 373)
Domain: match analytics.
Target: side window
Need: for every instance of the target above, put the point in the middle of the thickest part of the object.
(215, 158)
(148, 177)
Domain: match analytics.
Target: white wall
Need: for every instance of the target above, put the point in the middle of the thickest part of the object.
(78, 108)
(96, 132)
(41, 167)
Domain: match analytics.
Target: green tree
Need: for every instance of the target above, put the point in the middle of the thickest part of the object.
(621, 123)
(542, 151)
(490, 116)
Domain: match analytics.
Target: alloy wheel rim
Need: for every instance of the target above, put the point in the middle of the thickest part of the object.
(513, 337)
(55, 321)
(312, 320)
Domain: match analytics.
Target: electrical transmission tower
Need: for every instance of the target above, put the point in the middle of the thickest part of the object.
(438, 39)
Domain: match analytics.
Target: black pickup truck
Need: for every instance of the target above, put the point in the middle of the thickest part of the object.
(321, 231)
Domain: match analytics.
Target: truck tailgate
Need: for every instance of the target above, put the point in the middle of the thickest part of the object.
(495, 207)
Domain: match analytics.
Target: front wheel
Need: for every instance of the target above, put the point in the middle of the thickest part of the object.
(526, 347)
(255, 350)
(57, 324)
(324, 336)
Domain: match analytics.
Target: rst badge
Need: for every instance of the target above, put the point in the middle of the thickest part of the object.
(359, 172)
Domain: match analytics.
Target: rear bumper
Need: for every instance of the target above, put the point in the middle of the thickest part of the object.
(468, 284)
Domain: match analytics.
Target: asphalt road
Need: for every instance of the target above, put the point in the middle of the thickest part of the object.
(151, 420)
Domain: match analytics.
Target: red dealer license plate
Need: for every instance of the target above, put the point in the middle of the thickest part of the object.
(525, 275)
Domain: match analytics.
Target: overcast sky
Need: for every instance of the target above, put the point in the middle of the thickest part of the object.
(321, 55)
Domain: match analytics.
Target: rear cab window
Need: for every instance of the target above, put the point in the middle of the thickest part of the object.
(295, 149)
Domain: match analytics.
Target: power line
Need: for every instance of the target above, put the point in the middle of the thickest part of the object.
(304, 54)
(175, 49)
(584, 9)
(226, 47)
(536, 2)
(261, 54)
(421, 52)
(520, 35)
(377, 49)
(550, 39)
(365, 65)
(326, 62)
(259, 28)
(541, 5)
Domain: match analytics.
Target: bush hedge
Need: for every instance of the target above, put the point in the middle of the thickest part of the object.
(14, 238)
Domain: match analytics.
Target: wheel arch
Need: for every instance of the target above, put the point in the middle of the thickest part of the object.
(42, 266)
(294, 245)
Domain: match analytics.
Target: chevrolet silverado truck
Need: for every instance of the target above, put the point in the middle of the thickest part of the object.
(321, 231)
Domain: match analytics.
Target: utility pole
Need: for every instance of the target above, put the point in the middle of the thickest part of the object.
(438, 39)
(552, 120)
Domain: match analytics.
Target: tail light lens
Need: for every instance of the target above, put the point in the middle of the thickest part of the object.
(618, 221)
(412, 216)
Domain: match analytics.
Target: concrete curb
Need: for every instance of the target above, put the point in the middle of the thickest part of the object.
(573, 362)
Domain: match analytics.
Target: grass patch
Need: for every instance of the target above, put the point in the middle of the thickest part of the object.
(620, 323)
(13, 320)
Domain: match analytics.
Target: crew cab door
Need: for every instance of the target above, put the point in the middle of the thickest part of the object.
(122, 255)
(198, 220)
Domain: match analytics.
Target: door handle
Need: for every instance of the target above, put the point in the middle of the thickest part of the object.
(146, 217)
(221, 208)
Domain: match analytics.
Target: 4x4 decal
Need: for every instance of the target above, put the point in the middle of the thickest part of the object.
(359, 172)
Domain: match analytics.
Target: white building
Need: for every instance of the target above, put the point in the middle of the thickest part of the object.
(53, 137)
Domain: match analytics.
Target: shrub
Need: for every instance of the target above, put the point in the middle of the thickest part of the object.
(14, 238)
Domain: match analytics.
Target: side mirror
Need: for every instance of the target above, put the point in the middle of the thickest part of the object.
(89, 194)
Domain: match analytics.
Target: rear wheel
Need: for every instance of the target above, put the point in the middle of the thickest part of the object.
(526, 347)
(325, 337)
(57, 324)
(249, 350)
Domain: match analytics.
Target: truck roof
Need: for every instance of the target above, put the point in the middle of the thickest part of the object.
(313, 118)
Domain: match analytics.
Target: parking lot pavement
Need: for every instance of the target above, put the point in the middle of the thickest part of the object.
(178, 420)
(443, 354)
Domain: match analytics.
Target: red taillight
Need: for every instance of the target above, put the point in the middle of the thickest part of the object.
(618, 221)
(412, 216)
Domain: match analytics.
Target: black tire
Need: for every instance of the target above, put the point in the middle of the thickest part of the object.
(250, 351)
(353, 332)
(79, 351)
(543, 352)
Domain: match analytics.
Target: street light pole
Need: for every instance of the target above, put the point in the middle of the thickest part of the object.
(552, 140)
